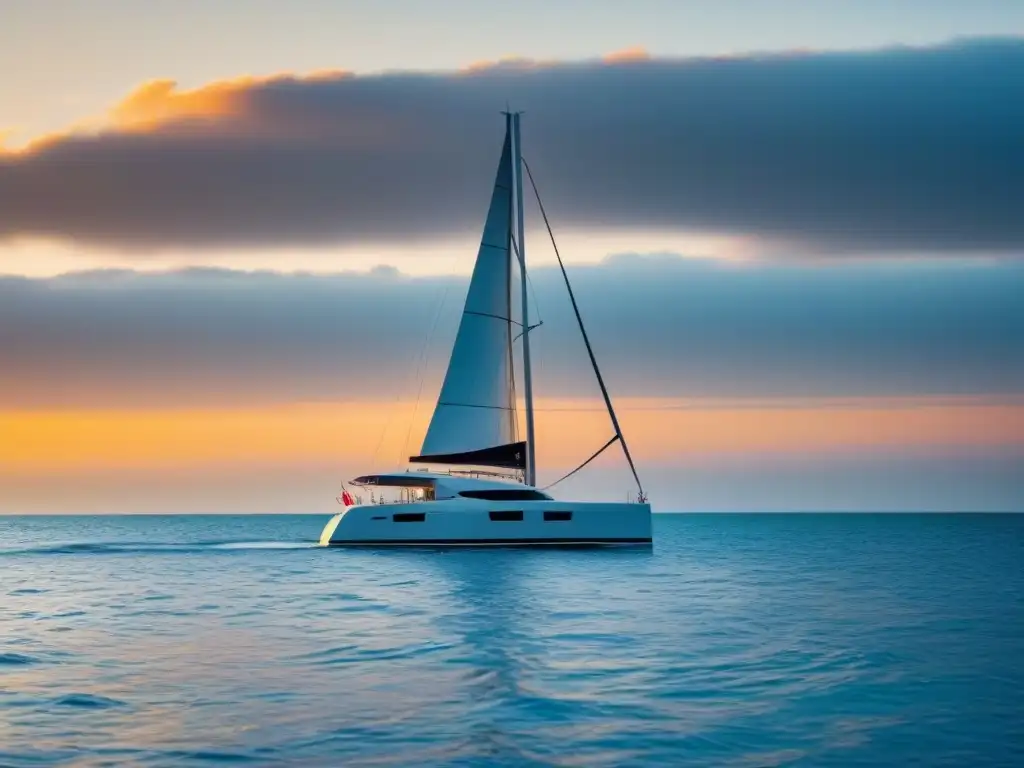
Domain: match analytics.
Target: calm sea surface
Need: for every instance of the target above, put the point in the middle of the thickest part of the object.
(749, 640)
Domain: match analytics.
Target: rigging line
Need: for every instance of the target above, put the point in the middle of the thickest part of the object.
(513, 410)
(383, 432)
(535, 325)
(583, 331)
(421, 373)
(512, 400)
(597, 453)
(421, 366)
(529, 282)
(533, 293)
(419, 362)
(536, 304)
(514, 247)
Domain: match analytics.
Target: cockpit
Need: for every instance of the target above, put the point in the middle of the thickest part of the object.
(393, 489)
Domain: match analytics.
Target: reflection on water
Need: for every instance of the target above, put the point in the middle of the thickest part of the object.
(737, 640)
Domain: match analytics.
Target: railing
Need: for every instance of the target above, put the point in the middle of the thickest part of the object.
(402, 496)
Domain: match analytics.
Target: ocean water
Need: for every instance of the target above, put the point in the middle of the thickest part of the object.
(737, 640)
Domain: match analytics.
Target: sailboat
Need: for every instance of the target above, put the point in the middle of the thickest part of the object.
(474, 483)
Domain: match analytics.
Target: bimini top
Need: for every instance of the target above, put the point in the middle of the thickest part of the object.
(449, 486)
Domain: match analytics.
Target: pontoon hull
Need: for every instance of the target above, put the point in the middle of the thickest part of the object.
(464, 522)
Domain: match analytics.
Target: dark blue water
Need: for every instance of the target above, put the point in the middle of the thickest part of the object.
(738, 640)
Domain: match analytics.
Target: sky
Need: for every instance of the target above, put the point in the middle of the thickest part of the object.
(235, 241)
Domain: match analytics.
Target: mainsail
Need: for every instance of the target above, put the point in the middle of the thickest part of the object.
(474, 421)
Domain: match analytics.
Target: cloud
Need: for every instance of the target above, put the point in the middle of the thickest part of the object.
(636, 53)
(661, 327)
(896, 150)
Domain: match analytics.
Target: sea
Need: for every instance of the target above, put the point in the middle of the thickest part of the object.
(736, 640)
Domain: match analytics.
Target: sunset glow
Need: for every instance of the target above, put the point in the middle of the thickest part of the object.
(344, 433)
(250, 261)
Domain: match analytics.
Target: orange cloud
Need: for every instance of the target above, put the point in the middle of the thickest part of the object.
(514, 63)
(161, 101)
(505, 62)
(634, 53)
(159, 104)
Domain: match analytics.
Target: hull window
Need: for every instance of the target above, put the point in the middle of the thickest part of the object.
(506, 516)
(553, 516)
(409, 517)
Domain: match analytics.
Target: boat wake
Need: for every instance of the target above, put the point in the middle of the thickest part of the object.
(266, 545)
(146, 547)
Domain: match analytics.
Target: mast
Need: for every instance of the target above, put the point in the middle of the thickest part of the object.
(517, 180)
(509, 238)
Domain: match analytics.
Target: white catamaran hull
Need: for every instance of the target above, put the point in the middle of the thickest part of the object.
(467, 522)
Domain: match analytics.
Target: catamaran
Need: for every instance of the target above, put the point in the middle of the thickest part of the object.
(476, 482)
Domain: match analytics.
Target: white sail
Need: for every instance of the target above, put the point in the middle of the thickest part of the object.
(475, 410)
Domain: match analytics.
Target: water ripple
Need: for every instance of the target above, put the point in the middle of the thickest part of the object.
(86, 701)
(736, 641)
(17, 660)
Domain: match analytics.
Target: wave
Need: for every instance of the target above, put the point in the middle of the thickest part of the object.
(17, 660)
(87, 701)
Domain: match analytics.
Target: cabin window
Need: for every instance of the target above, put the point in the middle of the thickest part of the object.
(507, 516)
(409, 517)
(553, 516)
(500, 494)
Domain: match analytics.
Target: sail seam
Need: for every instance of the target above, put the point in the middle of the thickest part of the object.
(488, 314)
(495, 247)
(474, 405)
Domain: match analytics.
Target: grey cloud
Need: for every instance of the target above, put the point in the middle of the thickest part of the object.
(661, 326)
(907, 150)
